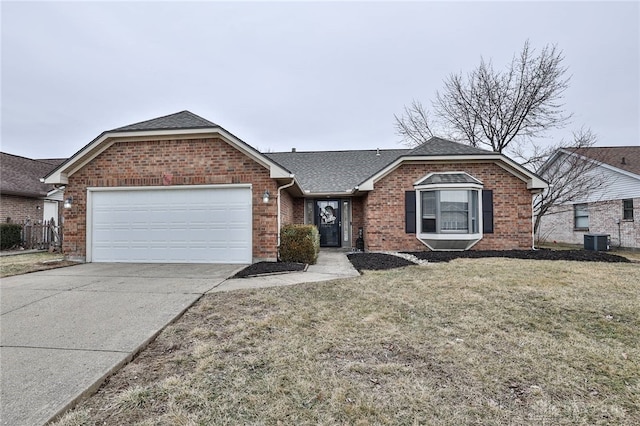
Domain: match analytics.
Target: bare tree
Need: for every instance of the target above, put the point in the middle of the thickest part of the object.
(508, 111)
(572, 177)
(497, 109)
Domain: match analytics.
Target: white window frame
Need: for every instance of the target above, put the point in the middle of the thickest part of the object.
(584, 207)
(431, 239)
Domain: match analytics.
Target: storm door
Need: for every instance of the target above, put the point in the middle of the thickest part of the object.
(328, 220)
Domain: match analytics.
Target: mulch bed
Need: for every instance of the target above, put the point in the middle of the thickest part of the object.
(377, 261)
(264, 268)
(542, 254)
(382, 261)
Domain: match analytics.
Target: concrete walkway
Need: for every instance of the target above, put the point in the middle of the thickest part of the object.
(331, 265)
(63, 331)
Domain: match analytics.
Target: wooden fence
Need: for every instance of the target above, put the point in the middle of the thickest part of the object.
(43, 236)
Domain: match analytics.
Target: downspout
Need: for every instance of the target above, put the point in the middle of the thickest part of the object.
(279, 218)
(533, 219)
(533, 223)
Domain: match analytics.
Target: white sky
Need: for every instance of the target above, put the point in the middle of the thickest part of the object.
(315, 76)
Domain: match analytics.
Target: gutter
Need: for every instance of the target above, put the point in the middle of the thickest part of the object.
(293, 181)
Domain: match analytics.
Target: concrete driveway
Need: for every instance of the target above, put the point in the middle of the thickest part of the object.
(63, 331)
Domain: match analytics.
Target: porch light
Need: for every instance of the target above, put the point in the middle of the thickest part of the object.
(265, 196)
(68, 203)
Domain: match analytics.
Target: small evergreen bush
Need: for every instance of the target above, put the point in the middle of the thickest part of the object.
(299, 243)
(10, 235)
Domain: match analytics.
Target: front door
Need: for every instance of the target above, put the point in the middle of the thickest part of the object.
(328, 219)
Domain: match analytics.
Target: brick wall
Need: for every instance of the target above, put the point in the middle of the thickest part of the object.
(173, 162)
(357, 217)
(384, 207)
(18, 209)
(558, 224)
(298, 210)
(286, 208)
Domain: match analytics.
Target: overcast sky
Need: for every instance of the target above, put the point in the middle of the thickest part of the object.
(315, 76)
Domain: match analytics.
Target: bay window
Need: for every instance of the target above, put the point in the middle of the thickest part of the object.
(449, 210)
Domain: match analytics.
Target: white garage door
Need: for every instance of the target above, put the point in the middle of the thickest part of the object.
(176, 225)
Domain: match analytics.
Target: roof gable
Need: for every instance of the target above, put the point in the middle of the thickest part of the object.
(621, 157)
(439, 146)
(181, 125)
(179, 120)
(438, 149)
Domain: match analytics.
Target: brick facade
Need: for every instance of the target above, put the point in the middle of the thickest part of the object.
(298, 210)
(286, 208)
(357, 217)
(212, 161)
(175, 162)
(605, 217)
(18, 209)
(384, 207)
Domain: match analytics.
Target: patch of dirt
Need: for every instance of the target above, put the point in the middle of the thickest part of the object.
(377, 261)
(264, 268)
(543, 254)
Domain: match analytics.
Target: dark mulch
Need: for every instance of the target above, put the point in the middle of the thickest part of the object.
(381, 261)
(377, 261)
(543, 254)
(263, 268)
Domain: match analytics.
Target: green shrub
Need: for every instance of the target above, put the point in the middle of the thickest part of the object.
(299, 243)
(10, 235)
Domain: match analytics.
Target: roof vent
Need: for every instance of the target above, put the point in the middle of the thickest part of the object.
(623, 161)
(378, 152)
(293, 150)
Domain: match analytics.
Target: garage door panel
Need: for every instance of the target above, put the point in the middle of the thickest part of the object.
(210, 225)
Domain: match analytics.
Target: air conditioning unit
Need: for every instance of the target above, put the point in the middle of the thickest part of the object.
(596, 242)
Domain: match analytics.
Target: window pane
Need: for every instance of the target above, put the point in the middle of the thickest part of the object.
(429, 204)
(454, 210)
(429, 225)
(428, 207)
(581, 215)
(582, 222)
(627, 209)
(474, 211)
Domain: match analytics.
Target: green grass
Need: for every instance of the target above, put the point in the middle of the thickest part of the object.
(484, 341)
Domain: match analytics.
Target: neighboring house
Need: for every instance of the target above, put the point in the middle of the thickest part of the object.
(180, 188)
(613, 208)
(23, 195)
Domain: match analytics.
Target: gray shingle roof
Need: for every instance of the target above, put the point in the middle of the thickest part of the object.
(614, 156)
(438, 146)
(179, 120)
(339, 171)
(334, 171)
(21, 175)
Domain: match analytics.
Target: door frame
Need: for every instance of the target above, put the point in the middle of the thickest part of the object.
(316, 214)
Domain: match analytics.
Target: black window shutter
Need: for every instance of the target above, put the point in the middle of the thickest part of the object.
(487, 211)
(410, 212)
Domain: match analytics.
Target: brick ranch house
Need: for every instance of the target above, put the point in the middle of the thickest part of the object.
(612, 209)
(22, 196)
(180, 188)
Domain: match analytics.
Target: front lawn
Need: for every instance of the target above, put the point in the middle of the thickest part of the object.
(472, 341)
(31, 262)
